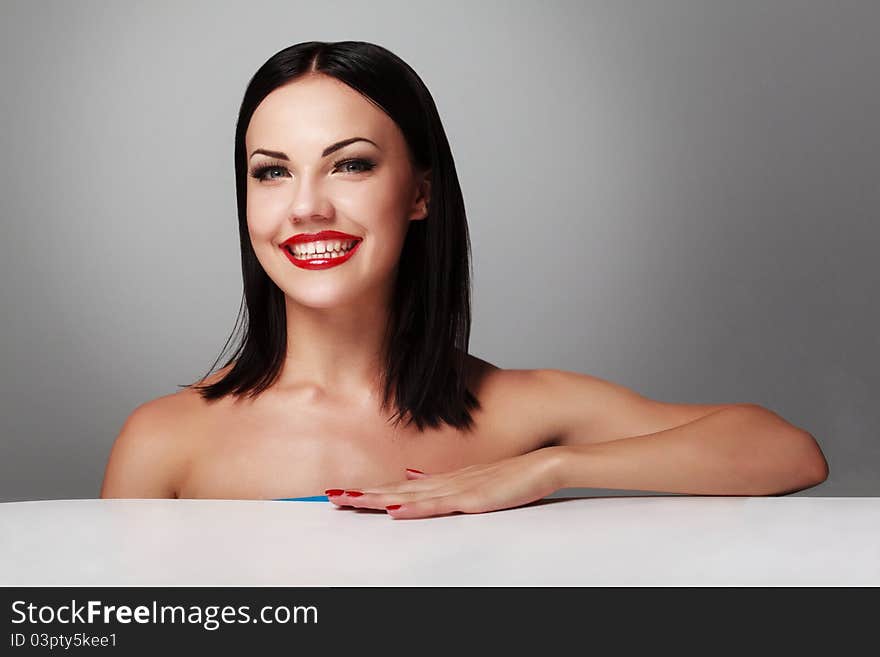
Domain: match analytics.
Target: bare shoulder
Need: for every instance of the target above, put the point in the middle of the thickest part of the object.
(495, 381)
(513, 403)
(582, 408)
(152, 449)
(562, 407)
(568, 407)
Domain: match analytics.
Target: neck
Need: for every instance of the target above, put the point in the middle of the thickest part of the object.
(335, 353)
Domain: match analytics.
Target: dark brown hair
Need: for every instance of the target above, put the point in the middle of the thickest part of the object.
(428, 329)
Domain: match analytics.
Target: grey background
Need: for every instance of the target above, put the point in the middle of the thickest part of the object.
(678, 196)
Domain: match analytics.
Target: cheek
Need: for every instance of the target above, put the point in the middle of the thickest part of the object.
(379, 207)
(263, 220)
(260, 230)
(367, 201)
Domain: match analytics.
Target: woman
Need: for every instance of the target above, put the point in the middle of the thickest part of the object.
(352, 375)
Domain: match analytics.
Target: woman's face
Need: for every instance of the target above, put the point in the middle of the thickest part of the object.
(369, 191)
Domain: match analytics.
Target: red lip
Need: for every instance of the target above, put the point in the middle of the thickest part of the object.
(319, 263)
(314, 237)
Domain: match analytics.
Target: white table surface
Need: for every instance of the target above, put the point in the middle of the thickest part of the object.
(602, 541)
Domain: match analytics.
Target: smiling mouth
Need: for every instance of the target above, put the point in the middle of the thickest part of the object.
(309, 251)
(307, 255)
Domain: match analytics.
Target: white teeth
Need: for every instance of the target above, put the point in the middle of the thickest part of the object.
(330, 249)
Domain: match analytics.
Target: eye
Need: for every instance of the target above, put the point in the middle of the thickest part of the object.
(260, 172)
(367, 165)
(361, 165)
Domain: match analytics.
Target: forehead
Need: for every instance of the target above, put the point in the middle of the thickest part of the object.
(310, 113)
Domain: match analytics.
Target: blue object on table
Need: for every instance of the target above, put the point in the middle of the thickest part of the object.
(316, 498)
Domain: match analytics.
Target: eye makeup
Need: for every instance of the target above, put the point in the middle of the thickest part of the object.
(259, 172)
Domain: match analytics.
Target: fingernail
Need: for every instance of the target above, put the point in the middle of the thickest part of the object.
(416, 471)
(353, 493)
(334, 491)
(392, 507)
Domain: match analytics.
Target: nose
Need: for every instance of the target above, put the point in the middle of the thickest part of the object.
(309, 202)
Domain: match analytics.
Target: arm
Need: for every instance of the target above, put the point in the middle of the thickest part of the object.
(740, 450)
(607, 436)
(144, 459)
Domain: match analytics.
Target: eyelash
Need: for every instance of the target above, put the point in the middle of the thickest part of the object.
(260, 171)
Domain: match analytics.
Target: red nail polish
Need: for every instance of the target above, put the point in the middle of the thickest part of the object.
(353, 493)
(416, 471)
(333, 491)
(393, 507)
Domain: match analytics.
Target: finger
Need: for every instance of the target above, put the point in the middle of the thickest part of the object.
(359, 499)
(379, 500)
(435, 506)
(422, 484)
(416, 481)
(347, 495)
(337, 496)
(350, 497)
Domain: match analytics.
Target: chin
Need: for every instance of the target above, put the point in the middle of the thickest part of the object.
(329, 301)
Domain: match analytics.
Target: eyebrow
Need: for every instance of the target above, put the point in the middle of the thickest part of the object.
(330, 149)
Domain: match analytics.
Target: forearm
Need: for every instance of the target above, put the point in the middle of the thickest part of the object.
(740, 451)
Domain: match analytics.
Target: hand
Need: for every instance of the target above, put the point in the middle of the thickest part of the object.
(475, 489)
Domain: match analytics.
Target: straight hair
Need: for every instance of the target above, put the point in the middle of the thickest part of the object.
(426, 338)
